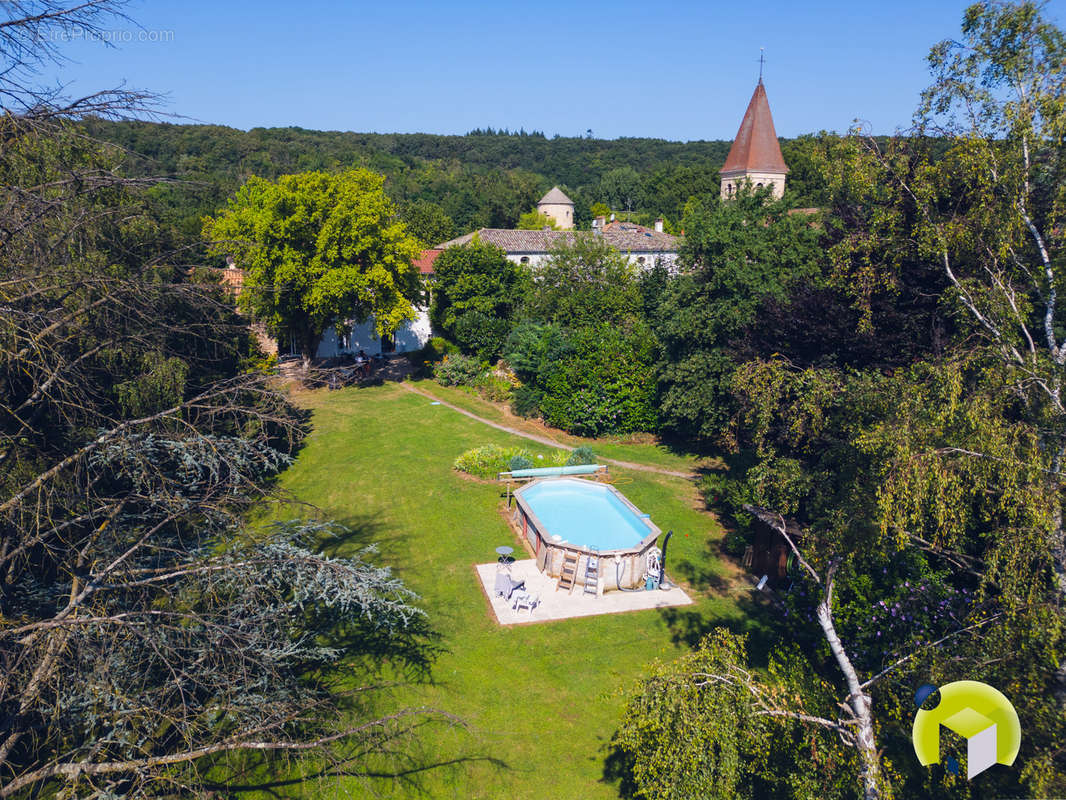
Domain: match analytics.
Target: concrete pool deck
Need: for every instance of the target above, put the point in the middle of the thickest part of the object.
(563, 605)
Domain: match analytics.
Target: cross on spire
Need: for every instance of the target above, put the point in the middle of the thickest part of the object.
(762, 60)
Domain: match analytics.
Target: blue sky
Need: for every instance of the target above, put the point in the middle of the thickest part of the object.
(677, 71)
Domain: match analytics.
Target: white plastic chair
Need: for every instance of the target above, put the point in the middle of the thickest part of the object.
(525, 600)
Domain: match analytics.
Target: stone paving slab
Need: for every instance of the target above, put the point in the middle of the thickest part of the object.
(562, 604)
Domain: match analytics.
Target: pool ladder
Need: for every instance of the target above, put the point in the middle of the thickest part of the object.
(568, 572)
(592, 573)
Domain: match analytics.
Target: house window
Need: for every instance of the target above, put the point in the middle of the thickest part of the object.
(758, 186)
(523, 260)
(640, 260)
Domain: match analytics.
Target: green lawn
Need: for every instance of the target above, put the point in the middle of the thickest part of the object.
(541, 701)
(624, 449)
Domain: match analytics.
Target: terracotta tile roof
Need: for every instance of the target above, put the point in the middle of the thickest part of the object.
(555, 197)
(425, 261)
(631, 238)
(756, 148)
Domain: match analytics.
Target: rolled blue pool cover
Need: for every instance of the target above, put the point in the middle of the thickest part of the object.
(543, 472)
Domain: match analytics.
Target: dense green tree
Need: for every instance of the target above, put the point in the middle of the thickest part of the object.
(584, 281)
(318, 250)
(921, 498)
(600, 209)
(622, 188)
(476, 292)
(534, 221)
(737, 256)
(484, 180)
(705, 725)
(590, 381)
(428, 222)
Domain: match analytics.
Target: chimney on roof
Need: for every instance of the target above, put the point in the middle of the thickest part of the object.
(599, 222)
(612, 217)
(659, 225)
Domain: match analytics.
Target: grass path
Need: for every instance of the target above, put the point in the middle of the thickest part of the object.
(545, 440)
(540, 701)
(637, 448)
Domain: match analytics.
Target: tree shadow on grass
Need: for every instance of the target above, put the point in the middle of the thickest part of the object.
(755, 619)
(401, 761)
(357, 531)
(366, 690)
(618, 770)
(752, 613)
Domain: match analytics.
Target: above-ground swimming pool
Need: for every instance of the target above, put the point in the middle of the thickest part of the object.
(560, 515)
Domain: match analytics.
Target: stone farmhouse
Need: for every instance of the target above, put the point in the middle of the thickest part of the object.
(643, 246)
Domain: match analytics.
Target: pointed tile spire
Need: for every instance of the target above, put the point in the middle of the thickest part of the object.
(756, 149)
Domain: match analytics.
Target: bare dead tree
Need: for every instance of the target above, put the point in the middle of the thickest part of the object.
(147, 636)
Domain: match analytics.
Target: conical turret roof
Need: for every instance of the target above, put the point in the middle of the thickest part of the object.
(756, 149)
(555, 197)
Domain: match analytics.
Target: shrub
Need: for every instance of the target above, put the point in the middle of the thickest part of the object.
(432, 352)
(436, 349)
(592, 381)
(489, 460)
(606, 386)
(519, 462)
(581, 455)
(525, 400)
(494, 387)
(481, 334)
(458, 370)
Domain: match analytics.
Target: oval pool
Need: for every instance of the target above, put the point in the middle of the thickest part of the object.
(557, 515)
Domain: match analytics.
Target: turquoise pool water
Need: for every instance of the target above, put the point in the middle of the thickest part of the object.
(585, 514)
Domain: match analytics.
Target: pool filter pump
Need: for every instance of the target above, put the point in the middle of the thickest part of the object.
(654, 572)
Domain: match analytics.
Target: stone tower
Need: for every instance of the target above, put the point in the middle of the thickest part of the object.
(755, 155)
(559, 207)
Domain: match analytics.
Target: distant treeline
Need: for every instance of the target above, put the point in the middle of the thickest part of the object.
(444, 185)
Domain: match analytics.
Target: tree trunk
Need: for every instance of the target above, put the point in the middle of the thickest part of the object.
(309, 348)
(858, 700)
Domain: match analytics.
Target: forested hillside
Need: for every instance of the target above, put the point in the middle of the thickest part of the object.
(444, 185)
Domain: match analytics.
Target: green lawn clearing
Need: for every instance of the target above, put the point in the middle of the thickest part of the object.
(540, 701)
(640, 448)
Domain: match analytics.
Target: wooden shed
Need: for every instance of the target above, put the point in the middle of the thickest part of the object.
(769, 554)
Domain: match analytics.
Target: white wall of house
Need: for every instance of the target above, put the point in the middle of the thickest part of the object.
(410, 336)
(641, 260)
(414, 334)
